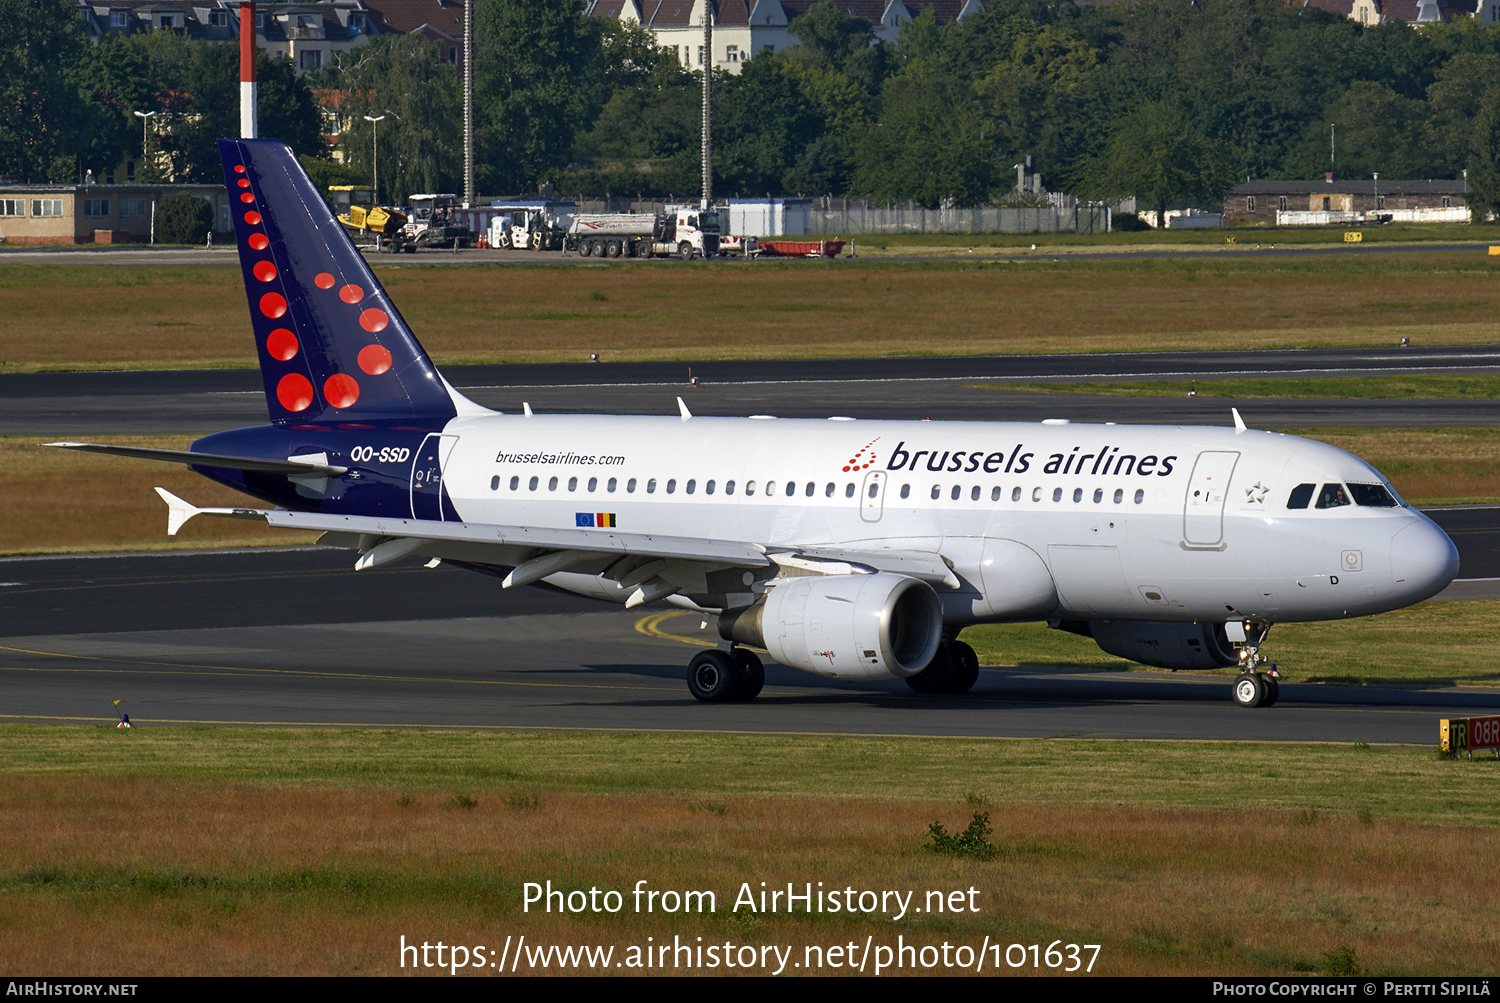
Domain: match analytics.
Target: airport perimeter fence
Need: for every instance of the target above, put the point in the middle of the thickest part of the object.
(861, 220)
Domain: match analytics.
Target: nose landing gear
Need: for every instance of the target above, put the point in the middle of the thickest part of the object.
(1252, 688)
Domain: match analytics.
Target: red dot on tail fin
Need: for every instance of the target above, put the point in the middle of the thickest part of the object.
(265, 271)
(273, 305)
(374, 359)
(295, 392)
(258, 242)
(323, 280)
(340, 390)
(351, 294)
(253, 218)
(281, 344)
(373, 320)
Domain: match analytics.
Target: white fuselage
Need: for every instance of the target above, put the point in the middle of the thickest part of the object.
(1157, 523)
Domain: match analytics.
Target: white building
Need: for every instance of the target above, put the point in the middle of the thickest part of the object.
(744, 29)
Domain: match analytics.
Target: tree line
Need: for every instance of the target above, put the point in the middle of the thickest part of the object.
(1164, 99)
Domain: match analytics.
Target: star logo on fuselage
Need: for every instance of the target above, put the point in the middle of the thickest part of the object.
(1256, 493)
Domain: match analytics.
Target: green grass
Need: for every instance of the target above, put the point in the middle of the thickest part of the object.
(1430, 645)
(491, 767)
(1471, 387)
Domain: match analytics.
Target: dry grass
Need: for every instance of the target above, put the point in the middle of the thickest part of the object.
(60, 500)
(65, 317)
(139, 877)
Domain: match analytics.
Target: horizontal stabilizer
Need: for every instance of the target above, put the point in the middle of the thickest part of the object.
(192, 459)
(179, 511)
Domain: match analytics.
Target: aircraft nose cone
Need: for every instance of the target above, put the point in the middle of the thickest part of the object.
(1423, 560)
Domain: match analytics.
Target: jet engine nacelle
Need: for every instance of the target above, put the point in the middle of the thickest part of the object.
(1167, 645)
(866, 627)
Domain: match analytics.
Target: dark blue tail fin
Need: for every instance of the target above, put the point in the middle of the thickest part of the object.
(332, 347)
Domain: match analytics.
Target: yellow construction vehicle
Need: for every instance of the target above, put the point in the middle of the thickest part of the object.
(366, 221)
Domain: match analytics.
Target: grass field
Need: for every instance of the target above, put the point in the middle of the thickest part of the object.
(242, 851)
(64, 501)
(196, 317)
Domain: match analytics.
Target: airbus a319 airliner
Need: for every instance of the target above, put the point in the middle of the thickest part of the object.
(855, 550)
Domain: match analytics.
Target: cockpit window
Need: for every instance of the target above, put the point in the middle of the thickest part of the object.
(1332, 496)
(1301, 495)
(1372, 495)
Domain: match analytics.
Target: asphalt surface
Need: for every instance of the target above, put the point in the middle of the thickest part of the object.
(298, 637)
(960, 389)
(224, 255)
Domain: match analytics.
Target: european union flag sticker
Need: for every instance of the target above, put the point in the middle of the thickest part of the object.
(585, 519)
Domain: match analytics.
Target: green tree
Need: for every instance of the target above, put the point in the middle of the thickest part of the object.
(1453, 102)
(44, 113)
(1156, 158)
(183, 219)
(537, 86)
(929, 145)
(405, 79)
(1484, 158)
(829, 38)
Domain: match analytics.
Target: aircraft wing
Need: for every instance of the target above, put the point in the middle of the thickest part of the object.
(516, 538)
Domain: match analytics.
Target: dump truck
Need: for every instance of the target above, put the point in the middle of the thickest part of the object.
(681, 230)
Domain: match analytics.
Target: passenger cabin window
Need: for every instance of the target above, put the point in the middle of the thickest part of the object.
(1332, 496)
(1300, 496)
(905, 490)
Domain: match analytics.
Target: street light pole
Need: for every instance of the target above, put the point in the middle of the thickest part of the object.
(145, 138)
(375, 128)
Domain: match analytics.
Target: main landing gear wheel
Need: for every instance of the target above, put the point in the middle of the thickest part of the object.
(1250, 690)
(937, 677)
(752, 674)
(965, 667)
(713, 676)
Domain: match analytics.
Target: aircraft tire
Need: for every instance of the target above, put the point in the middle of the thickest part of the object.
(935, 678)
(712, 676)
(965, 668)
(752, 674)
(1273, 690)
(1249, 690)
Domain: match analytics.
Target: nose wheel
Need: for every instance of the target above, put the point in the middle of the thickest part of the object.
(1256, 689)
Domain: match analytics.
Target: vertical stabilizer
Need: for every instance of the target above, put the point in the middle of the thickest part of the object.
(332, 347)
